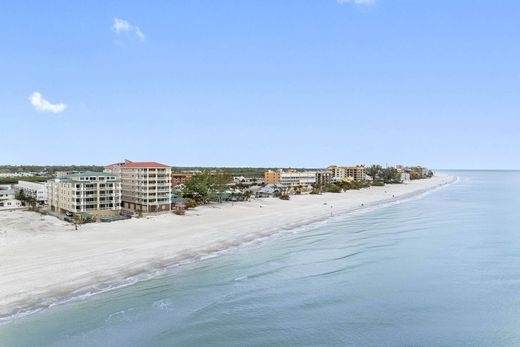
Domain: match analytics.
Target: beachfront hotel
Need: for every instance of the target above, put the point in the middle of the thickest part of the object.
(145, 186)
(357, 173)
(85, 193)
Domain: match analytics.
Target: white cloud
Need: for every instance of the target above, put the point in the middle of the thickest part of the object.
(121, 26)
(42, 105)
(357, 2)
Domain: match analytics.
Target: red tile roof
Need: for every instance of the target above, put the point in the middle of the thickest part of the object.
(144, 164)
(114, 165)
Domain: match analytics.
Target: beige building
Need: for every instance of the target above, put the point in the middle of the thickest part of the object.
(85, 193)
(272, 176)
(357, 173)
(323, 178)
(145, 186)
(290, 178)
(7, 199)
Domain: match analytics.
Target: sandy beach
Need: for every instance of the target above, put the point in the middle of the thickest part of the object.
(44, 260)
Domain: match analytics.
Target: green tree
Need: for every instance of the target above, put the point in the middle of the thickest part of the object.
(390, 175)
(31, 200)
(374, 171)
(206, 186)
(21, 196)
(333, 188)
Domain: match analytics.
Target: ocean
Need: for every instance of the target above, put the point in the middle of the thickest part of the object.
(439, 269)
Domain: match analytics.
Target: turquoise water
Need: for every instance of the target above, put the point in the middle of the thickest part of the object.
(440, 269)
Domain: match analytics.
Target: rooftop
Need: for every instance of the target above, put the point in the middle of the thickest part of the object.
(89, 174)
(142, 164)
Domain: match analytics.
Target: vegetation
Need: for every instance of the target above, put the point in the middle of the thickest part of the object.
(27, 200)
(417, 174)
(14, 180)
(190, 203)
(374, 171)
(247, 194)
(50, 169)
(384, 175)
(206, 187)
(83, 220)
(333, 188)
(284, 197)
(231, 171)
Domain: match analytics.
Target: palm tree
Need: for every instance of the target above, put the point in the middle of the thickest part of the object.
(374, 171)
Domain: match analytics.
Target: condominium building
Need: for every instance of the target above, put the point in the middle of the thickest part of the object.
(290, 178)
(323, 178)
(95, 193)
(146, 186)
(33, 189)
(272, 176)
(180, 178)
(293, 178)
(357, 173)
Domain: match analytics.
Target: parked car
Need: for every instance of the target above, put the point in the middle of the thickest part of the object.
(69, 214)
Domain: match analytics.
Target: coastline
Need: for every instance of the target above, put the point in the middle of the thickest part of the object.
(44, 261)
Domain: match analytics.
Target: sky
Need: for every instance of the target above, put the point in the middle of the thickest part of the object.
(261, 83)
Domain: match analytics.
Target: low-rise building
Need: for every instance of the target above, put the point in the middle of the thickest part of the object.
(33, 189)
(357, 173)
(7, 194)
(85, 193)
(269, 191)
(293, 178)
(290, 178)
(7, 200)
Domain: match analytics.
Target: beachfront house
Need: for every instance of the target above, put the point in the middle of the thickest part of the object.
(269, 191)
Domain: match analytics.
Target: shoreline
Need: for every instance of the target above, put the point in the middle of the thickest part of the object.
(46, 263)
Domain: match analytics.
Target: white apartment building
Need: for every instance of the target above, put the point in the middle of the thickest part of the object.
(297, 178)
(92, 193)
(34, 189)
(7, 199)
(146, 186)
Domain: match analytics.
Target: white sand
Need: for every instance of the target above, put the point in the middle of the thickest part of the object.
(43, 259)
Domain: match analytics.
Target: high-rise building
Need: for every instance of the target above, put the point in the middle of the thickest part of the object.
(145, 186)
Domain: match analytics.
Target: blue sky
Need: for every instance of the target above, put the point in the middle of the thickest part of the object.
(261, 83)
